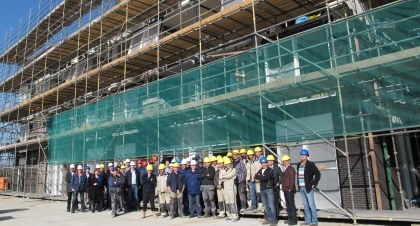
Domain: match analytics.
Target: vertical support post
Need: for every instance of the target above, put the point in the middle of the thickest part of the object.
(375, 171)
(366, 155)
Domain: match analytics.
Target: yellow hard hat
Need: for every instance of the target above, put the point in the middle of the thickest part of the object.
(285, 158)
(102, 165)
(229, 154)
(258, 149)
(162, 166)
(235, 152)
(219, 157)
(270, 158)
(149, 168)
(206, 160)
(212, 159)
(242, 151)
(250, 152)
(220, 160)
(122, 167)
(176, 165)
(227, 161)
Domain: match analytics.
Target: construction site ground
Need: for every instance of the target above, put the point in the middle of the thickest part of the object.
(28, 211)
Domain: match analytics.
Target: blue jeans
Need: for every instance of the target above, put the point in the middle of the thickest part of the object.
(309, 205)
(267, 197)
(253, 192)
(194, 204)
(133, 191)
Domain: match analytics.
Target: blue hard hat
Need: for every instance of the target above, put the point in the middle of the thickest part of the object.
(263, 159)
(87, 167)
(304, 152)
(178, 159)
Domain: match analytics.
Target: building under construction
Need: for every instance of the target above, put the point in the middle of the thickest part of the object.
(89, 81)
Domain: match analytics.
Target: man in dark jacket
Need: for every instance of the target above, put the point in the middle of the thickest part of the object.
(266, 178)
(193, 181)
(240, 168)
(176, 186)
(308, 178)
(114, 186)
(289, 190)
(69, 175)
(89, 189)
(207, 187)
(149, 181)
(278, 175)
(133, 185)
(78, 184)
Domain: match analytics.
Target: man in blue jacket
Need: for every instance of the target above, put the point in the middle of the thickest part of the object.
(78, 185)
(193, 182)
(176, 186)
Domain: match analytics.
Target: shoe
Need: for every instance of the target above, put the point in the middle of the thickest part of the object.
(191, 216)
(313, 224)
(242, 210)
(305, 223)
(265, 222)
(234, 219)
(142, 214)
(114, 215)
(200, 216)
(228, 218)
(68, 210)
(171, 217)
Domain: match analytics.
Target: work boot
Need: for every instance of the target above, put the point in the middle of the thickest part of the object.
(154, 214)
(234, 212)
(206, 214)
(264, 222)
(142, 214)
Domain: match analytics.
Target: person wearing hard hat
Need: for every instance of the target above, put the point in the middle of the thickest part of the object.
(200, 163)
(78, 184)
(255, 167)
(176, 186)
(89, 192)
(308, 178)
(184, 169)
(167, 162)
(69, 175)
(227, 177)
(149, 183)
(250, 184)
(115, 186)
(207, 188)
(162, 191)
(240, 178)
(122, 196)
(171, 168)
(229, 155)
(133, 184)
(289, 190)
(108, 174)
(265, 176)
(193, 184)
(219, 189)
(278, 177)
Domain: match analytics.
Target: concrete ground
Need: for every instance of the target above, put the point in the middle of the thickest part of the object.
(23, 211)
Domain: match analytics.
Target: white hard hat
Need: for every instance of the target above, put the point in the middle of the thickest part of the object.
(97, 166)
(71, 166)
(173, 160)
(132, 163)
(127, 160)
(79, 167)
(110, 164)
(183, 162)
(171, 165)
(193, 162)
(188, 159)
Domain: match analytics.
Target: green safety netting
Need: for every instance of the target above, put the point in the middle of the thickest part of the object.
(355, 75)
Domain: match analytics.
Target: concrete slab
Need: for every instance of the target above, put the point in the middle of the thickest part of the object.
(24, 211)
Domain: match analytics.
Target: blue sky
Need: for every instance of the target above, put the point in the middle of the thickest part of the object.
(11, 11)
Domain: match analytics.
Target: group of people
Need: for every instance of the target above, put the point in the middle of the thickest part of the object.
(218, 187)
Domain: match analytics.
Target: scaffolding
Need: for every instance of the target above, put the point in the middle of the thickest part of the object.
(95, 80)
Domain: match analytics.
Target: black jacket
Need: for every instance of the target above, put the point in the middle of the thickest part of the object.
(89, 186)
(149, 183)
(175, 181)
(129, 176)
(266, 179)
(278, 176)
(207, 175)
(311, 175)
